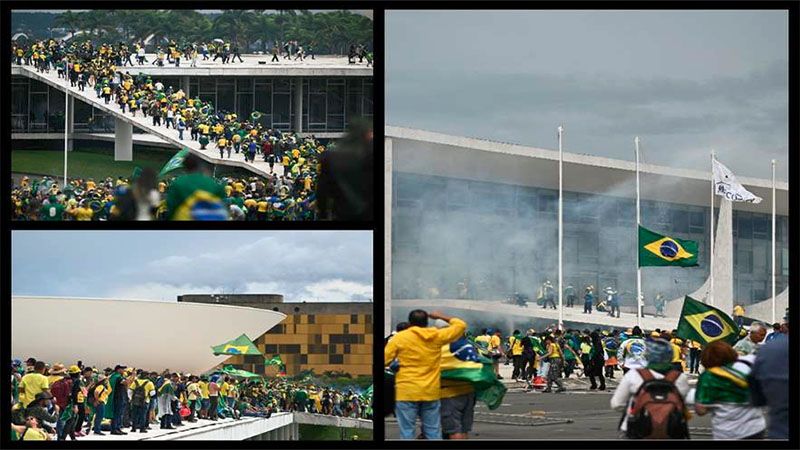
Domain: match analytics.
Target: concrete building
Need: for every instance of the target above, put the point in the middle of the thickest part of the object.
(312, 97)
(461, 209)
(132, 332)
(319, 336)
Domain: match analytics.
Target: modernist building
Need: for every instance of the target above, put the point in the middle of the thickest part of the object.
(317, 97)
(319, 336)
(483, 212)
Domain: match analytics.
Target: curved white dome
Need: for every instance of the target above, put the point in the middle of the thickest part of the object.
(152, 335)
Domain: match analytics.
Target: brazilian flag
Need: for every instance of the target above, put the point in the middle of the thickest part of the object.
(705, 324)
(461, 361)
(176, 162)
(659, 250)
(239, 346)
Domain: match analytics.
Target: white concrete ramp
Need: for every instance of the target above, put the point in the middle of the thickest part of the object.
(145, 123)
(499, 308)
(763, 310)
(332, 421)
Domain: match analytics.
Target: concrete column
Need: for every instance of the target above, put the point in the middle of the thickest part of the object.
(298, 105)
(123, 141)
(185, 85)
(70, 122)
(387, 237)
(723, 258)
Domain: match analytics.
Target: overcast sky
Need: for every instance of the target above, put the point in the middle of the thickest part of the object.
(684, 81)
(303, 266)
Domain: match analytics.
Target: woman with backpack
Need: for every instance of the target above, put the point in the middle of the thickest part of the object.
(723, 390)
(652, 398)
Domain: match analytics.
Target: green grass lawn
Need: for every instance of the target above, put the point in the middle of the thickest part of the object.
(86, 162)
(329, 433)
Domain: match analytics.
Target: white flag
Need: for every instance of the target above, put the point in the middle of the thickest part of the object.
(725, 185)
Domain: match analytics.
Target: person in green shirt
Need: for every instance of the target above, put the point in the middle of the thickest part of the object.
(52, 211)
(196, 196)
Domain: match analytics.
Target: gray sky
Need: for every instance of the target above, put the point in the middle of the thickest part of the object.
(684, 81)
(304, 266)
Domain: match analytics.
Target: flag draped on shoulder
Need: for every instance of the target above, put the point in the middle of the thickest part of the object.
(239, 346)
(725, 185)
(705, 324)
(659, 250)
(462, 362)
(176, 162)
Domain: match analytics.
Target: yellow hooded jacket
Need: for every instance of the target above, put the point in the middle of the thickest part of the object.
(419, 351)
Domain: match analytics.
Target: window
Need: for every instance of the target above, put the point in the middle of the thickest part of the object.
(697, 222)
(762, 226)
(311, 319)
(270, 348)
(744, 260)
(303, 359)
(548, 203)
(744, 228)
(353, 318)
(335, 359)
(289, 348)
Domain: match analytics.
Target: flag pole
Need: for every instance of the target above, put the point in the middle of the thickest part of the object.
(710, 298)
(66, 120)
(560, 229)
(773, 241)
(638, 224)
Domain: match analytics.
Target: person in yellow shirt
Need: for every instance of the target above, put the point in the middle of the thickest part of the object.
(307, 183)
(31, 431)
(195, 395)
(32, 384)
(204, 397)
(555, 356)
(142, 390)
(495, 351)
(418, 350)
(515, 352)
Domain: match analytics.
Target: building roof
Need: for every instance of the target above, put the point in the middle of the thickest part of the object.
(329, 66)
(431, 153)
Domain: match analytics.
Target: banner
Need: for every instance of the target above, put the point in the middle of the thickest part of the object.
(725, 185)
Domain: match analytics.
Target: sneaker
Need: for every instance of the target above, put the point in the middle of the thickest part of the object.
(99, 433)
(547, 390)
(561, 390)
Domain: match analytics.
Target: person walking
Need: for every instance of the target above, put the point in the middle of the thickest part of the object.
(555, 357)
(723, 391)
(658, 367)
(595, 362)
(588, 300)
(101, 391)
(749, 345)
(418, 350)
(515, 353)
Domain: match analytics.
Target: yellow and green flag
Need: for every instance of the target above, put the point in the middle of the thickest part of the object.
(705, 324)
(239, 346)
(659, 250)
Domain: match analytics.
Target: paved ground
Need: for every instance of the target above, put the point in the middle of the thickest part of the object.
(576, 414)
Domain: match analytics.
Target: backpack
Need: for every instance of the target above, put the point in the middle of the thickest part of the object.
(92, 397)
(658, 409)
(139, 396)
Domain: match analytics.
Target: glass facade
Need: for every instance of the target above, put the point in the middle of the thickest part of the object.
(328, 103)
(503, 238)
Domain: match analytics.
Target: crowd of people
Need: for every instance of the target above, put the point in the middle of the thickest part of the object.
(734, 382)
(276, 198)
(287, 196)
(56, 402)
(46, 53)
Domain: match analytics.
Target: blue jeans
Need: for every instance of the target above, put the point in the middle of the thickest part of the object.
(119, 411)
(99, 412)
(429, 412)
